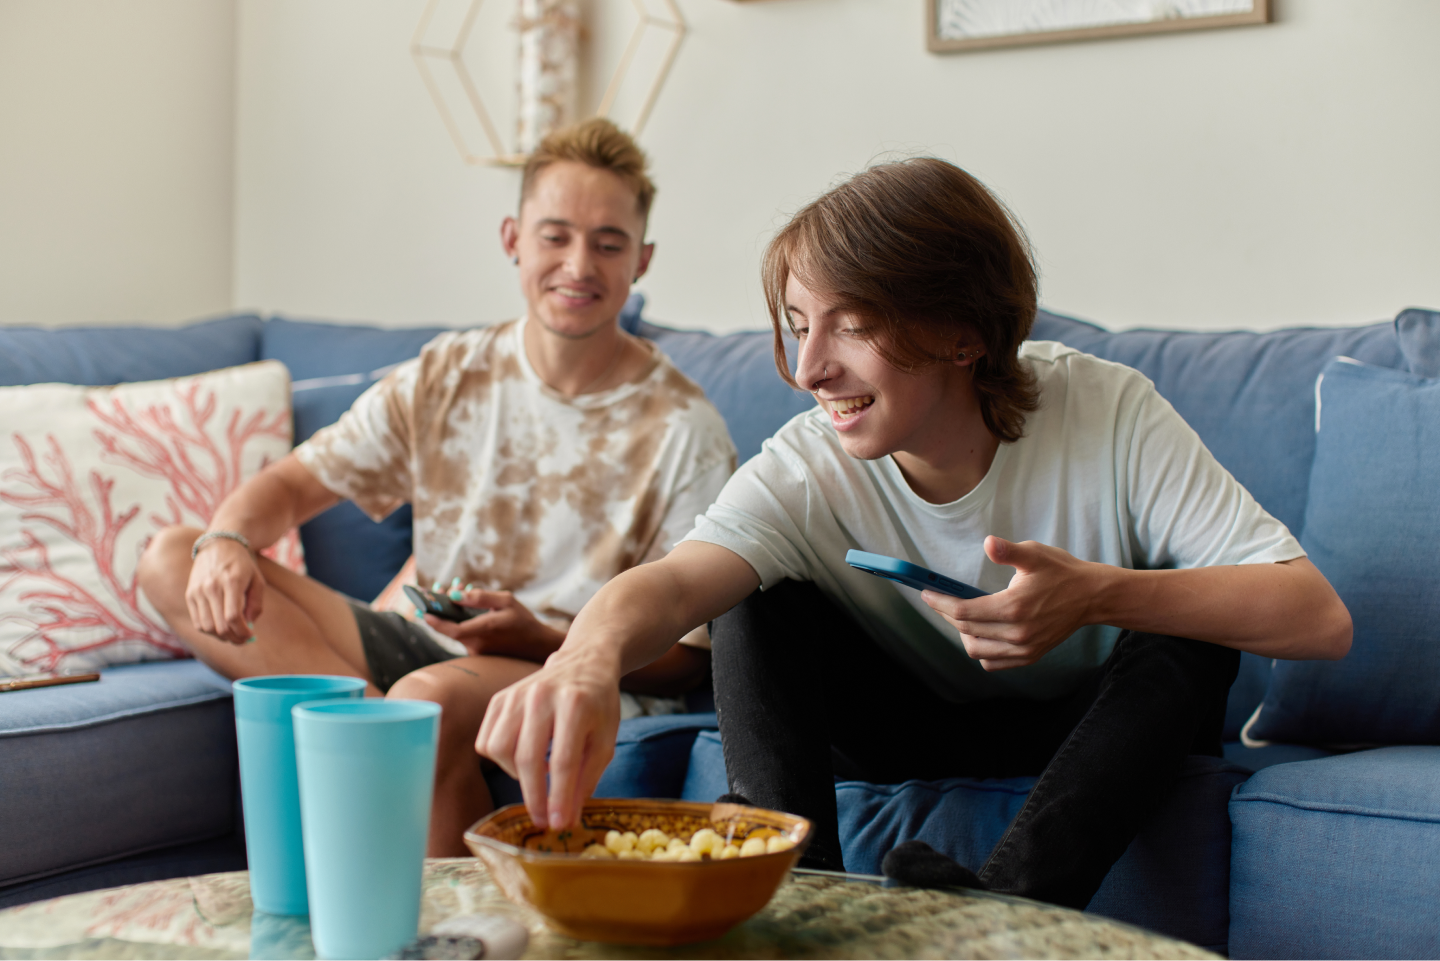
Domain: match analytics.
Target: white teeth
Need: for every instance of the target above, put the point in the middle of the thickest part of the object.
(571, 292)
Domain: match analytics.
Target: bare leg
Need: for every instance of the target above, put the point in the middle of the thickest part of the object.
(463, 688)
(305, 628)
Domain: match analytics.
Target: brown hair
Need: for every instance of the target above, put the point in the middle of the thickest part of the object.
(927, 255)
(596, 143)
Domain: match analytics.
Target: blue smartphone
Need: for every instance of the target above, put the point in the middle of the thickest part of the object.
(911, 575)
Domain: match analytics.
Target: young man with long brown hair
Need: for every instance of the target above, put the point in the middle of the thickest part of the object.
(1126, 568)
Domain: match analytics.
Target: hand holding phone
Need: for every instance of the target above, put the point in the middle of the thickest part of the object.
(911, 575)
(441, 606)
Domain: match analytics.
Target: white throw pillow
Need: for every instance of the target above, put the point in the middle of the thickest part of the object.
(89, 474)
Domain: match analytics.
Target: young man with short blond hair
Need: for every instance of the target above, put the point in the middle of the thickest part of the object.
(542, 457)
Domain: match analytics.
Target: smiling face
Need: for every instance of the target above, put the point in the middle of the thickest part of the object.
(580, 244)
(875, 408)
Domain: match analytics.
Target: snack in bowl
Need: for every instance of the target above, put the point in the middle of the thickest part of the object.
(642, 871)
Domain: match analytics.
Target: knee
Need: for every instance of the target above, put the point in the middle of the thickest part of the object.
(164, 567)
(417, 686)
(427, 685)
(1186, 662)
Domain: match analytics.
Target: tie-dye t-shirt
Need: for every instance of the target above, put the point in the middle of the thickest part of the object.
(517, 487)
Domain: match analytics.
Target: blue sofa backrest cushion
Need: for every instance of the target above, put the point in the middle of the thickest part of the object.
(1372, 526)
(100, 356)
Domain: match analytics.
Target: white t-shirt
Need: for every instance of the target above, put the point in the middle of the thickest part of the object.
(517, 487)
(1106, 470)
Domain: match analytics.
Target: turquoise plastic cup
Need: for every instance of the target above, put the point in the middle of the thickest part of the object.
(268, 786)
(367, 770)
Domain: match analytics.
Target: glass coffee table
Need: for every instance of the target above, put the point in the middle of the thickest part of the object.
(813, 915)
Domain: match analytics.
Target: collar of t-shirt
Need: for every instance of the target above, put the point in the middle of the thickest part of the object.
(978, 497)
(600, 398)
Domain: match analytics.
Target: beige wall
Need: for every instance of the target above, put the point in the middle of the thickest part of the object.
(116, 160)
(1252, 177)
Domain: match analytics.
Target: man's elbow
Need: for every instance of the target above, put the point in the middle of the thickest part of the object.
(1336, 633)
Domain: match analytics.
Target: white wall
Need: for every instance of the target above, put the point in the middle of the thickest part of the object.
(116, 160)
(1252, 177)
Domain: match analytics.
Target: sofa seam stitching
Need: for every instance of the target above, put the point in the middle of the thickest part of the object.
(1331, 808)
(114, 716)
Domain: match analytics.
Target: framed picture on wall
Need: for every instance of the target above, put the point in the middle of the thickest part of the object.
(956, 25)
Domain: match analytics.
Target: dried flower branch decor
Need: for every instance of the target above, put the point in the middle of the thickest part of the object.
(89, 474)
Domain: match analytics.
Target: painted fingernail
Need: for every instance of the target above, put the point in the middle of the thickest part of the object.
(457, 596)
(250, 639)
(437, 587)
(250, 624)
(419, 614)
(469, 587)
(455, 583)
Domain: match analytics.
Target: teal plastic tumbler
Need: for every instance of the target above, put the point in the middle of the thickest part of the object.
(367, 770)
(268, 786)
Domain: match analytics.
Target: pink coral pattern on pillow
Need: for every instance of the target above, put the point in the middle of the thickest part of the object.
(89, 474)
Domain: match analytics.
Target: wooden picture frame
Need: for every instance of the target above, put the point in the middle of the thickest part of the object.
(942, 35)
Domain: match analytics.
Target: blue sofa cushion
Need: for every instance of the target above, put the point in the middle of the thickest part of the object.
(1373, 529)
(705, 777)
(143, 759)
(330, 366)
(1174, 878)
(1335, 858)
(99, 356)
(1419, 335)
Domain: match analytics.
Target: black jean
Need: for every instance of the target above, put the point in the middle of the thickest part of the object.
(803, 695)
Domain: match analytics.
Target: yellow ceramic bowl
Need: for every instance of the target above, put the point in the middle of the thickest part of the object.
(636, 902)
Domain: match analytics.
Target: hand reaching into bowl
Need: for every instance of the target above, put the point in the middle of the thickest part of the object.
(571, 706)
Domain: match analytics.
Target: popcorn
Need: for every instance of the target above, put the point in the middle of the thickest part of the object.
(615, 842)
(651, 839)
(706, 841)
(705, 844)
(777, 844)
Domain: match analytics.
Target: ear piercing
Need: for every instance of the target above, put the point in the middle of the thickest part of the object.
(515, 260)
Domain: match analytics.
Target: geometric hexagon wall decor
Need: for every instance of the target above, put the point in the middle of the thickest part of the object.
(467, 69)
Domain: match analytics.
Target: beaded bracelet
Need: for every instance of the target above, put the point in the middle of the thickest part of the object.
(212, 535)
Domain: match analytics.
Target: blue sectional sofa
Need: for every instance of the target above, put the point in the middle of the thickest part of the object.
(1299, 849)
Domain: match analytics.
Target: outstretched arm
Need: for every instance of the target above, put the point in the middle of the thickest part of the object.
(1286, 610)
(571, 706)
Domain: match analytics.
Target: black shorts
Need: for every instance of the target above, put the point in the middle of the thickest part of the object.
(394, 646)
